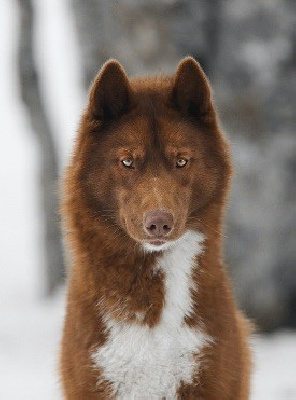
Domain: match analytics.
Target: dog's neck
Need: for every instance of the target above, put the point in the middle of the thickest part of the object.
(169, 340)
(123, 273)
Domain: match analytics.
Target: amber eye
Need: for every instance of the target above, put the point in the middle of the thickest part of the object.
(128, 162)
(181, 162)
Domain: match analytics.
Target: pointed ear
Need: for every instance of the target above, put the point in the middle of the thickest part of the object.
(191, 91)
(110, 93)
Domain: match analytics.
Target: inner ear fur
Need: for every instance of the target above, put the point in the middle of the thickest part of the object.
(110, 93)
(191, 90)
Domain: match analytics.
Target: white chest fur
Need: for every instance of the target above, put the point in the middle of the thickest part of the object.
(150, 363)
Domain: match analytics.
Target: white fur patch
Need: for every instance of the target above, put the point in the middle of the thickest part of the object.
(149, 363)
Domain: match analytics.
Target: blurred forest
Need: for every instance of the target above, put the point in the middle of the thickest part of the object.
(248, 49)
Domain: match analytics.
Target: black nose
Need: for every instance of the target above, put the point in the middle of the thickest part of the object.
(158, 223)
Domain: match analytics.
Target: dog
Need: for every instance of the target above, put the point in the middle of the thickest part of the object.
(150, 311)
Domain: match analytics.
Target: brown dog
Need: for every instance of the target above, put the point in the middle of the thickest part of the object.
(150, 312)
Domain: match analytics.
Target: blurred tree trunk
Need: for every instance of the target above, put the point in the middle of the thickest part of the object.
(150, 36)
(213, 34)
(48, 157)
(92, 22)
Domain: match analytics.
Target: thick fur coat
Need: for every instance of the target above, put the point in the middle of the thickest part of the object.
(150, 311)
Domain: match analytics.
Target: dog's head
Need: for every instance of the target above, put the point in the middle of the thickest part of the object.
(155, 156)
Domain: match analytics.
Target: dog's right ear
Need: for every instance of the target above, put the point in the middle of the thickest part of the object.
(110, 93)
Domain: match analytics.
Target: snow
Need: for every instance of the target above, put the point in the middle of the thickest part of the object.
(29, 346)
(30, 327)
(274, 367)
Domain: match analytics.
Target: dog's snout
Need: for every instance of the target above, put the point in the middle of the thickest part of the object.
(158, 223)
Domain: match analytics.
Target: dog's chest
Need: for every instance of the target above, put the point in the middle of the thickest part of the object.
(149, 363)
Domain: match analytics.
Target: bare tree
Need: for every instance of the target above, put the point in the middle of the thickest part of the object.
(149, 35)
(48, 157)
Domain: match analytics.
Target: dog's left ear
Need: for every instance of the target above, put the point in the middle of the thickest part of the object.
(191, 90)
(110, 93)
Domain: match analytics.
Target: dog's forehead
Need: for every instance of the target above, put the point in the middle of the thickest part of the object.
(153, 122)
(147, 132)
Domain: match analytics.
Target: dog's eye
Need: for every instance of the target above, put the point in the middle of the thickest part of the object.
(181, 162)
(128, 162)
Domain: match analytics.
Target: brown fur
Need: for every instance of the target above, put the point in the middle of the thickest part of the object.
(154, 121)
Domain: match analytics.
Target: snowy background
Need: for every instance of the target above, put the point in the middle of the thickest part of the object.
(30, 322)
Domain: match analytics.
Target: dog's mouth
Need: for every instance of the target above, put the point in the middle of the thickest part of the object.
(157, 242)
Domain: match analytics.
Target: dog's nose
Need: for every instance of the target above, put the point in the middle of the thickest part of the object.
(158, 223)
